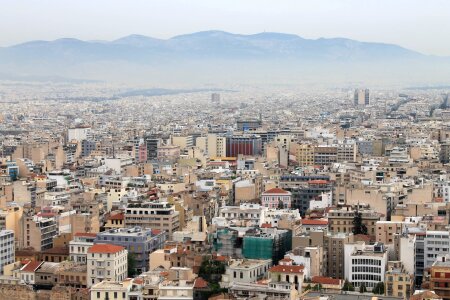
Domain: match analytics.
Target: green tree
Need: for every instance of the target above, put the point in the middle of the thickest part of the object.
(211, 270)
(362, 288)
(308, 287)
(131, 265)
(348, 287)
(379, 289)
(317, 287)
(358, 226)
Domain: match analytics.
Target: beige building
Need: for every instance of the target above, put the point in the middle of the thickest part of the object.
(216, 145)
(159, 258)
(37, 232)
(288, 273)
(10, 218)
(182, 141)
(106, 262)
(112, 290)
(161, 216)
(341, 220)
(245, 191)
(333, 249)
(386, 230)
(398, 282)
(305, 155)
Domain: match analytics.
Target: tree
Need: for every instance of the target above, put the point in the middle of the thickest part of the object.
(379, 289)
(317, 287)
(308, 287)
(348, 287)
(131, 265)
(358, 226)
(362, 288)
(211, 270)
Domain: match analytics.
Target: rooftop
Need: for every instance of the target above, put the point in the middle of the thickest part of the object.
(287, 269)
(276, 191)
(105, 248)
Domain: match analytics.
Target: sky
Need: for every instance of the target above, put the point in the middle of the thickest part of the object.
(421, 25)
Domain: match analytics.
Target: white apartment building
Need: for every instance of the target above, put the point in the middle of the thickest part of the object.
(106, 262)
(365, 264)
(446, 192)
(246, 270)
(246, 212)
(79, 133)
(435, 243)
(7, 255)
(79, 246)
(118, 164)
(176, 289)
(111, 290)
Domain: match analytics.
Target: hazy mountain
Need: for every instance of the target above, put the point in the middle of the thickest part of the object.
(209, 56)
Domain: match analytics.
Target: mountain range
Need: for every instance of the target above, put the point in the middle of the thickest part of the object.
(211, 56)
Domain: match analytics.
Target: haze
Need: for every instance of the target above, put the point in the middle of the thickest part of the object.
(419, 25)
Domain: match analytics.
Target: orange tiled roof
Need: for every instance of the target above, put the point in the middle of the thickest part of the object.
(31, 266)
(287, 269)
(105, 248)
(314, 222)
(325, 280)
(200, 283)
(276, 191)
(118, 216)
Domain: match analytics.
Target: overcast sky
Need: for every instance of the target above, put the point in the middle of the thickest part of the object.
(421, 25)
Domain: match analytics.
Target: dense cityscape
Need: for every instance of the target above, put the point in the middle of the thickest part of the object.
(224, 150)
(112, 193)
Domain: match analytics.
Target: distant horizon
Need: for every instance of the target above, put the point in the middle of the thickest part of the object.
(412, 24)
(211, 30)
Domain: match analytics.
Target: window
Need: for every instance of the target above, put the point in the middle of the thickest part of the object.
(98, 293)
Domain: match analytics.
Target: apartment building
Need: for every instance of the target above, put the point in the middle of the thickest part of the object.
(436, 243)
(333, 249)
(155, 215)
(440, 276)
(111, 290)
(399, 282)
(365, 264)
(37, 232)
(341, 220)
(325, 155)
(79, 246)
(276, 198)
(138, 241)
(305, 155)
(386, 230)
(7, 248)
(246, 270)
(106, 262)
(246, 214)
